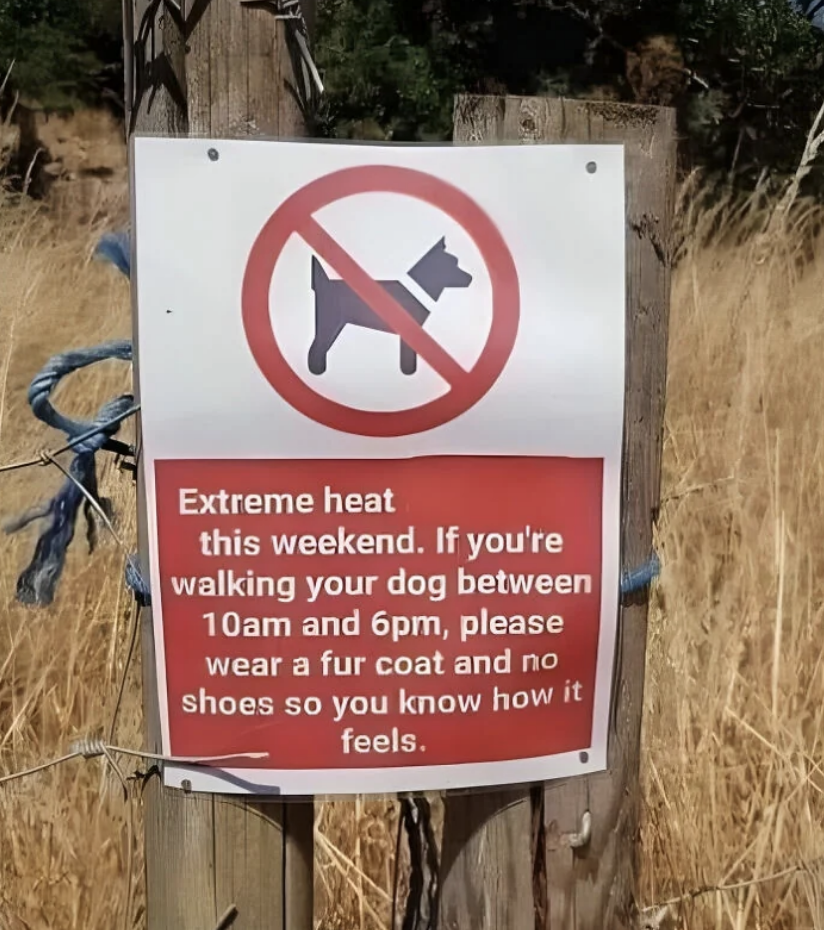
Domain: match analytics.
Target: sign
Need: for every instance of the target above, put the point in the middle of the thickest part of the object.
(382, 398)
(380, 305)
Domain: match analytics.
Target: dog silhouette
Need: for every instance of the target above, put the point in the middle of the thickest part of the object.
(338, 306)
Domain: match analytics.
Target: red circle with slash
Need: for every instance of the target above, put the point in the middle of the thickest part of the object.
(296, 216)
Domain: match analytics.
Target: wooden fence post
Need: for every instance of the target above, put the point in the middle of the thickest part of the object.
(217, 69)
(492, 843)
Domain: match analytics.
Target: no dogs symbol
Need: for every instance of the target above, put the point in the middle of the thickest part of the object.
(358, 302)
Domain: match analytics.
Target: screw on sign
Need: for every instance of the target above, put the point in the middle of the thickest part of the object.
(386, 306)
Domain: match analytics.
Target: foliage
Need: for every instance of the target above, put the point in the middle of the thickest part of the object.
(382, 76)
(61, 49)
(763, 63)
(745, 75)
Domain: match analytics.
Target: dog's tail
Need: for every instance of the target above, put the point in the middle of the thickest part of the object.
(319, 277)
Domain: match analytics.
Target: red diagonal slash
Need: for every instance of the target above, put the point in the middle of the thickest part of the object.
(381, 302)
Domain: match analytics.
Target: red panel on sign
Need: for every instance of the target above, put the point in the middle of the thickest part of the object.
(360, 614)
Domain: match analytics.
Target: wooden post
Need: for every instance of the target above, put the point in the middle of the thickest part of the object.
(489, 849)
(218, 69)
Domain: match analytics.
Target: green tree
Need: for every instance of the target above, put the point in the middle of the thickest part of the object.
(762, 64)
(60, 48)
(382, 79)
(750, 70)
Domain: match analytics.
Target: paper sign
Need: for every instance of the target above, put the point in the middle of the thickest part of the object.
(382, 399)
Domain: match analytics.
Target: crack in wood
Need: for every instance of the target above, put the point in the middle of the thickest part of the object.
(647, 228)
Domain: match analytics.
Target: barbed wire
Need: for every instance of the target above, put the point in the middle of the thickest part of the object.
(94, 748)
(659, 912)
(130, 567)
(45, 457)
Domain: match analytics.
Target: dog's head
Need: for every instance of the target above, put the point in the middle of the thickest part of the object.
(438, 270)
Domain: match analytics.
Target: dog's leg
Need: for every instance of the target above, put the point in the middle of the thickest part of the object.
(317, 356)
(409, 359)
(327, 323)
(319, 350)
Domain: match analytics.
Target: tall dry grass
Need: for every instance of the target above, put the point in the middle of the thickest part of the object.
(64, 847)
(733, 777)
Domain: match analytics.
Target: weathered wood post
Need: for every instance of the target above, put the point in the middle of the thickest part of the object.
(216, 69)
(496, 844)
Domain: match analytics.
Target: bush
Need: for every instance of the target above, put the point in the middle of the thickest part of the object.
(64, 51)
(745, 75)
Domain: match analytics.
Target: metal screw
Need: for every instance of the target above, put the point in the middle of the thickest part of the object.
(592, 167)
(213, 154)
(584, 757)
(186, 785)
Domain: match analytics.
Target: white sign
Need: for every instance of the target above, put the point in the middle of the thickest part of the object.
(382, 396)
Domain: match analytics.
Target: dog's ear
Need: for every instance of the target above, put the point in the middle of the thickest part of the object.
(442, 243)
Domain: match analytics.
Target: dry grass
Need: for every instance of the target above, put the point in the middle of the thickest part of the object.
(733, 779)
(63, 842)
(733, 775)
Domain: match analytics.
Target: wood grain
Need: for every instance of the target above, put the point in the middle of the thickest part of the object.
(486, 864)
(205, 853)
(594, 888)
